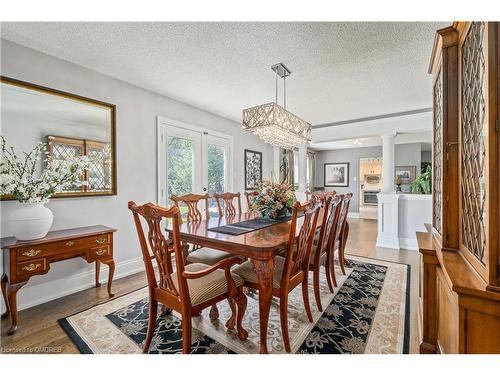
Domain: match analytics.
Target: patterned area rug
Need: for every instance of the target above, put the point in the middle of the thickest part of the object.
(367, 313)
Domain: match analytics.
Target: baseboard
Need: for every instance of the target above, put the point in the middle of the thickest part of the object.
(353, 215)
(30, 296)
(408, 243)
(388, 241)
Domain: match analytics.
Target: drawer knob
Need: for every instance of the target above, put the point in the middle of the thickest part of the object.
(101, 240)
(32, 253)
(32, 267)
(101, 252)
(70, 243)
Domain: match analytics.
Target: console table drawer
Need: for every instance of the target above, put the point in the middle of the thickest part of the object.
(99, 252)
(31, 252)
(33, 267)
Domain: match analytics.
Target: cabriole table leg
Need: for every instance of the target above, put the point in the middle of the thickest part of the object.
(264, 270)
(5, 280)
(12, 300)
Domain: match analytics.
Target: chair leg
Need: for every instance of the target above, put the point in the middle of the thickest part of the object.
(186, 334)
(328, 274)
(342, 248)
(305, 296)
(214, 312)
(153, 311)
(317, 294)
(241, 301)
(332, 267)
(341, 261)
(232, 320)
(284, 322)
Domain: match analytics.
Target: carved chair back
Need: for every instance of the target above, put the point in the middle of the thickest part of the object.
(331, 213)
(191, 201)
(320, 195)
(250, 196)
(225, 203)
(298, 252)
(154, 245)
(336, 237)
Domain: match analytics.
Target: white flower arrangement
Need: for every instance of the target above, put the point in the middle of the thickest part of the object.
(17, 176)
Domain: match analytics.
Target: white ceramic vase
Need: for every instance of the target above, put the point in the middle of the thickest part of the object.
(30, 221)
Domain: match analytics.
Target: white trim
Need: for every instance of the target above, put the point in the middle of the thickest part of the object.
(353, 215)
(388, 220)
(33, 295)
(408, 243)
(416, 197)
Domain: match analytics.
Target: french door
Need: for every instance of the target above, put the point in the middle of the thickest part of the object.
(192, 159)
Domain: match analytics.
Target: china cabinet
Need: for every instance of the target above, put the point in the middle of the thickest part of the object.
(460, 280)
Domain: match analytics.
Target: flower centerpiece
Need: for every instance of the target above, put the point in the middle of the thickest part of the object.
(32, 184)
(274, 199)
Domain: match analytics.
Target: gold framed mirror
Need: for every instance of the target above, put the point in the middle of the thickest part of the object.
(70, 125)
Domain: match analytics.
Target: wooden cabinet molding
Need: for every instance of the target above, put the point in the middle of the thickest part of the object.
(460, 253)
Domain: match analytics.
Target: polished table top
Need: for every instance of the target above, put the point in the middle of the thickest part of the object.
(258, 244)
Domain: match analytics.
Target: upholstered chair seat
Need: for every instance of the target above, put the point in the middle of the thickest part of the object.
(246, 271)
(207, 287)
(206, 255)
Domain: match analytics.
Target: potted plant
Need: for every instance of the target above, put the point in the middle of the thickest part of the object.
(32, 190)
(422, 184)
(274, 199)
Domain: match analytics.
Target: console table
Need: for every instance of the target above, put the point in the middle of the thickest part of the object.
(23, 259)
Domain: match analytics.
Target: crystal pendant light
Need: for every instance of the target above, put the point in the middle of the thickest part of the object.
(273, 123)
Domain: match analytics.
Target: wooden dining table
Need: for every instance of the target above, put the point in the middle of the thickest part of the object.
(261, 246)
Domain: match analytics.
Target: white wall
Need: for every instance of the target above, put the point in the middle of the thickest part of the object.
(136, 112)
(405, 155)
(415, 210)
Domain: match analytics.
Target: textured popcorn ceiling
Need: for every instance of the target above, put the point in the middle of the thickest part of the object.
(340, 71)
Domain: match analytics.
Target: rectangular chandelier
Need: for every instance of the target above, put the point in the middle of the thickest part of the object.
(275, 125)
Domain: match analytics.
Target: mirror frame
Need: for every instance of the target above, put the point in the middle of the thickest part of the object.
(67, 95)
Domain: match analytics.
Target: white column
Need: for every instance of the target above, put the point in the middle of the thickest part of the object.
(388, 163)
(388, 205)
(302, 167)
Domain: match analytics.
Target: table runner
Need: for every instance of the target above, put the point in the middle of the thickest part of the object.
(247, 226)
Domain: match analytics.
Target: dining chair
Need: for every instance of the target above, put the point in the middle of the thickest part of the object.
(225, 203)
(203, 255)
(291, 270)
(344, 235)
(187, 289)
(250, 196)
(320, 195)
(320, 256)
(336, 240)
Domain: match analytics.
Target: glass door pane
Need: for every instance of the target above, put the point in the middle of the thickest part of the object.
(216, 152)
(183, 164)
(180, 157)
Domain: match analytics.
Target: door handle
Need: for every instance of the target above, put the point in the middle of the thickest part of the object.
(204, 189)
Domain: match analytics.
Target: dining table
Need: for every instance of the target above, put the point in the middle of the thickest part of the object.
(260, 246)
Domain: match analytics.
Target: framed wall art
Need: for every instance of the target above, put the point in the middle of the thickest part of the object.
(253, 169)
(406, 173)
(336, 174)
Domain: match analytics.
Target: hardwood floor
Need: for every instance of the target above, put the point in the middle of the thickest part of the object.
(38, 328)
